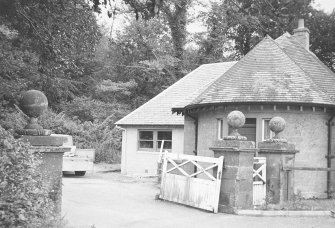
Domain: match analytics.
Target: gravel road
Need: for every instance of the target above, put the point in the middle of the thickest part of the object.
(110, 200)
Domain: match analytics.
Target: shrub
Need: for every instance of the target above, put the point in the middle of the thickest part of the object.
(110, 149)
(24, 200)
(101, 136)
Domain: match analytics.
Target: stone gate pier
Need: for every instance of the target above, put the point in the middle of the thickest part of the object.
(238, 174)
(278, 153)
(33, 103)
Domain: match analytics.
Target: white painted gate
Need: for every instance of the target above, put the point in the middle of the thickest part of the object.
(259, 180)
(197, 188)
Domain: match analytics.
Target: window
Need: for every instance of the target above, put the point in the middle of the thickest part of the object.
(220, 128)
(167, 137)
(266, 132)
(248, 130)
(146, 139)
(152, 140)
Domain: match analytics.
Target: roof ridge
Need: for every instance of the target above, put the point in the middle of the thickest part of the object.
(307, 74)
(310, 53)
(205, 90)
(295, 41)
(320, 62)
(160, 94)
(160, 105)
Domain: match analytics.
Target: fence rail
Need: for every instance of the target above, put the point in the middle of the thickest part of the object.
(289, 168)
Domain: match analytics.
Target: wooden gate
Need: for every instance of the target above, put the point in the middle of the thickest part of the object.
(196, 187)
(259, 180)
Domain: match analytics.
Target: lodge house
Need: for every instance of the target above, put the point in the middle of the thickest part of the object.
(280, 77)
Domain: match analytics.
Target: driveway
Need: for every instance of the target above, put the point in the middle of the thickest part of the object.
(110, 200)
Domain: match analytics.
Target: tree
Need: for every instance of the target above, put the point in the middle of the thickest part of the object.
(141, 62)
(18, 67)
(175, 13)
(59, 37)
(246, 22)
(322, 39)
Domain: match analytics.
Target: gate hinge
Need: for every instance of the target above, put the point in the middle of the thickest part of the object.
(330, 156)
(331, 124)
(329, 192)
(223, 165)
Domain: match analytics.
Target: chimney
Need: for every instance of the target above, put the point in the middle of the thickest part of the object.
(302, 34)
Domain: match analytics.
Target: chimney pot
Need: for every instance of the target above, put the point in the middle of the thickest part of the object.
(301, 23)
(302, 34)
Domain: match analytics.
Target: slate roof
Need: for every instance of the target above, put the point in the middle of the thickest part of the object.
(321, 75)
(278, 71)
(157, 111)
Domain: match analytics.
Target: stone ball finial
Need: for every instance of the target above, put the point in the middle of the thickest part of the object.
(277, 124)
(236, 120)
(33, 103)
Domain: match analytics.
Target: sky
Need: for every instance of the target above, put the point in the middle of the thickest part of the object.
(195, 27)
(326, 5)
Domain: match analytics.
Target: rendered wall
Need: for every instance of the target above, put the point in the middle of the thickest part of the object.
(332, 174)
(189, 135)
(136, 162)
(306, 129)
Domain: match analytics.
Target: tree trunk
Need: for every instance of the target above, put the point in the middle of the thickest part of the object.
(176, 16)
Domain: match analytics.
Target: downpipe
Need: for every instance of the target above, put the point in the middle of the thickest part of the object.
(195, 152)
(329, 156)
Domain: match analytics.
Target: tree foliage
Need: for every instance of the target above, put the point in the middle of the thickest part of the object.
(246, 22)
(174, 13)
(322, 38)
(92, 80)
(53, 48)
(235, 26)
(141, 63)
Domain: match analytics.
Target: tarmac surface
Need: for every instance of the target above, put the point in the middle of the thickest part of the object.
(107, 199)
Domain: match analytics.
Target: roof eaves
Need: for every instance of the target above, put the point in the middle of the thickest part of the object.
(193, 106)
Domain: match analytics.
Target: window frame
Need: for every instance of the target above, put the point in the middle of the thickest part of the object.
(155, 140)
(263, 129)
(139, 140)
(219, 128)
(250, 126)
